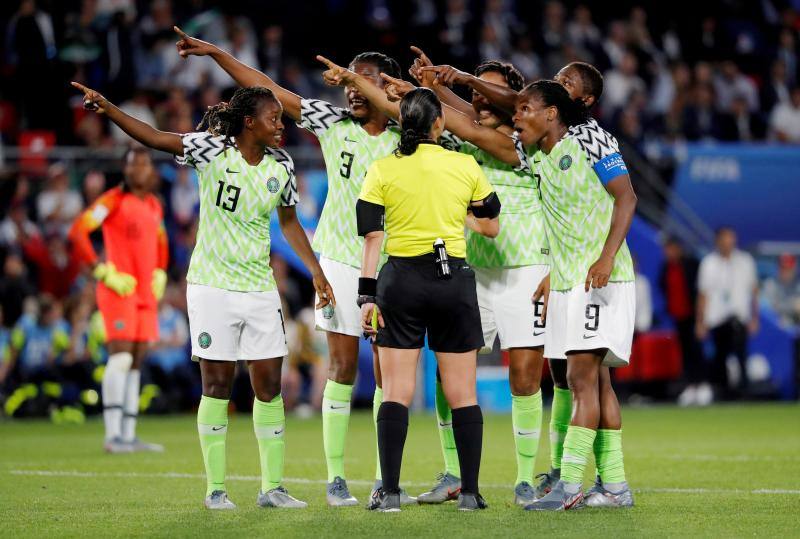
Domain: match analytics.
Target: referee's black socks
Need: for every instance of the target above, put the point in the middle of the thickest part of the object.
(392, 429)
(468, 432)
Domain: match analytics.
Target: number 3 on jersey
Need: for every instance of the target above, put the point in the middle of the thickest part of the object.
(232, 198)
(347, 164)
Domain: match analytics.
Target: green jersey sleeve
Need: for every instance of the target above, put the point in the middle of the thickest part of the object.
(200, 149)
(318, 116)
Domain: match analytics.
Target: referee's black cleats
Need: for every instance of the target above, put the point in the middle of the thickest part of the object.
(471, 502)
(384, 502)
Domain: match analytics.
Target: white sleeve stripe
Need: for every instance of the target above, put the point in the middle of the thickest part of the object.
(317, 116)
(594, 140)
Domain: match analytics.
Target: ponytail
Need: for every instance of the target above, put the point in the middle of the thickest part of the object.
(419, 109)
(227, 119)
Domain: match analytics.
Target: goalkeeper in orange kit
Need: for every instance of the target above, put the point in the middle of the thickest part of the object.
(130, 282)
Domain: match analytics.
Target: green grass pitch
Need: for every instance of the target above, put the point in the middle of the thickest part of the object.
(724, 471)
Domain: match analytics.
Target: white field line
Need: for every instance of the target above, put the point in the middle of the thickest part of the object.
(305, 481)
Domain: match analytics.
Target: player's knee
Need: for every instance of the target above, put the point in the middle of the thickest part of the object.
(268, 390)
(580, 383)
(343, 370)
(120, 362)
(218, 388)
(524, 385)
(460, 395)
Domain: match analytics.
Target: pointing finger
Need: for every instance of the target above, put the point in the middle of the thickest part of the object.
(327, 62)
(180, 32)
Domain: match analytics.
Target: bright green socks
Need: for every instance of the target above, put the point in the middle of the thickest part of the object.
(377, 399)
(559, 422)
(608, 456)
(269, 424)
(335, 419)
(577, 448)
(444, 418)
(212, 426)
(526, 416)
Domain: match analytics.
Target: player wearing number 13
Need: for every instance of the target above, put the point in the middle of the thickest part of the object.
(233, 303)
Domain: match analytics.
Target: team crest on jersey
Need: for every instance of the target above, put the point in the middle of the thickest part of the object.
(273, 185)
(565, 162)
(204, 340)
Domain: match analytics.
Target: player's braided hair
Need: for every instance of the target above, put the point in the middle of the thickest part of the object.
(571, 111)
(227, 119)
(419, 108)
(386, 64)
(512, 75)
(590, 77)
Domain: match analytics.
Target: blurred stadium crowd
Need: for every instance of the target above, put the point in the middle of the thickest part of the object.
(728, 72)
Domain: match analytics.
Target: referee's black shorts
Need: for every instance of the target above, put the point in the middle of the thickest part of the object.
(414, 301)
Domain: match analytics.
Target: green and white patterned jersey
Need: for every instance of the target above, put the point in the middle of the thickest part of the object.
(577, 206)
(348, 151)
(236, 200)
(522, 240)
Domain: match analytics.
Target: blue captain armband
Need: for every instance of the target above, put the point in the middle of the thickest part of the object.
(610, 167)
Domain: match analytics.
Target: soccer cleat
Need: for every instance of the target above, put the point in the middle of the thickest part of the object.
(471, 502)
(219, 500)
(599, 496)
(138, 446)
(405, 499)
(447, 487)
(548, 481)
(278, 497)
(524, 494)
(558, 499)
(116, 446)
(383, 502)
(338, 494)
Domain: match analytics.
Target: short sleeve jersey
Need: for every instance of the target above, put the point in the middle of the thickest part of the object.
(522, 240)
(577, 206)
(425, 196)
(236, 201)
(348, 151)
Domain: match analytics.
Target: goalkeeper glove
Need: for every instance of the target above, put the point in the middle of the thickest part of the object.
(159, 283)
(121, 283)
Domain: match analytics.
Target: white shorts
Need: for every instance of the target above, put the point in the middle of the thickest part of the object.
(601, 318)
(346, 316)
(229, 325)
(504, 298)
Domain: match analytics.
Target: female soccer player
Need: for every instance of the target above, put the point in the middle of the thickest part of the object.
(234, 307)
(131, 281)
(423, 193)
(351, 139)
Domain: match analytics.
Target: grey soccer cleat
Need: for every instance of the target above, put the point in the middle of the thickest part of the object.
(278, 497)
(546, 483)
(599, 496)
(383, 502)
(116, 446)
(524, 494)
(405, 499)
(338, 494)
(558, 499)
(138, 446)
(471, 502)
(447, 487)
(219, 500)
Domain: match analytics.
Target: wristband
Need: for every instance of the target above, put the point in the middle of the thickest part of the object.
(367, 286)
(362, 299)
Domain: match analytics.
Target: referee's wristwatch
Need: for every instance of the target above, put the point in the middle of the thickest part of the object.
(367, 290)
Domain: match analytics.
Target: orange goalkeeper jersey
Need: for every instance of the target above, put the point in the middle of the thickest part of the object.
(134, 237)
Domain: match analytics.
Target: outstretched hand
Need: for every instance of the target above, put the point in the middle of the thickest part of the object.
(92, 100)
(421, 61)
(335, 75)
(446, 75)
(395, 88)
(191, 46)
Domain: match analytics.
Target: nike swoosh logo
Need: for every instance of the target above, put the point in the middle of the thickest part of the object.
(338, 407)
(347, 139)
(229, 171)
(279, 431)
(537, 334)
(450, 424)
(589, 336)
(217, 428)
(526, 433)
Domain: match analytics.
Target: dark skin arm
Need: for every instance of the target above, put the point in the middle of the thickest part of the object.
(297, 239)
(500, 96)
(490, 140)
(147, 135)
(446, 95)
(624, 207)
(244, 75)
(336, 75)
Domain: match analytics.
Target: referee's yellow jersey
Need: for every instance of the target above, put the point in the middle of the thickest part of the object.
(425, 196)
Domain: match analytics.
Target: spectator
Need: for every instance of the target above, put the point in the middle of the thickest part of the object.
(16, 220)
(615, 45)
(644, 301)
(525, 59)
(621, 82)
(678, 282)
(727, 305)
(139, 108)
(784, 122)
(94, 184)
(14, 287)
(729, 83)
(5, 356)
(782, 292)
(775, 89)
(739, 124)
(701, 121)
(58, 205)
(56, 266)
(582, 31)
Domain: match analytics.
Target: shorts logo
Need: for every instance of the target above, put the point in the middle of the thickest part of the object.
(204, 340)
(565, 162)
(119, 325)
(273, 185)
(327, 312)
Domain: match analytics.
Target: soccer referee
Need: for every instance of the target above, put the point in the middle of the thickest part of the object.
(420, 198)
